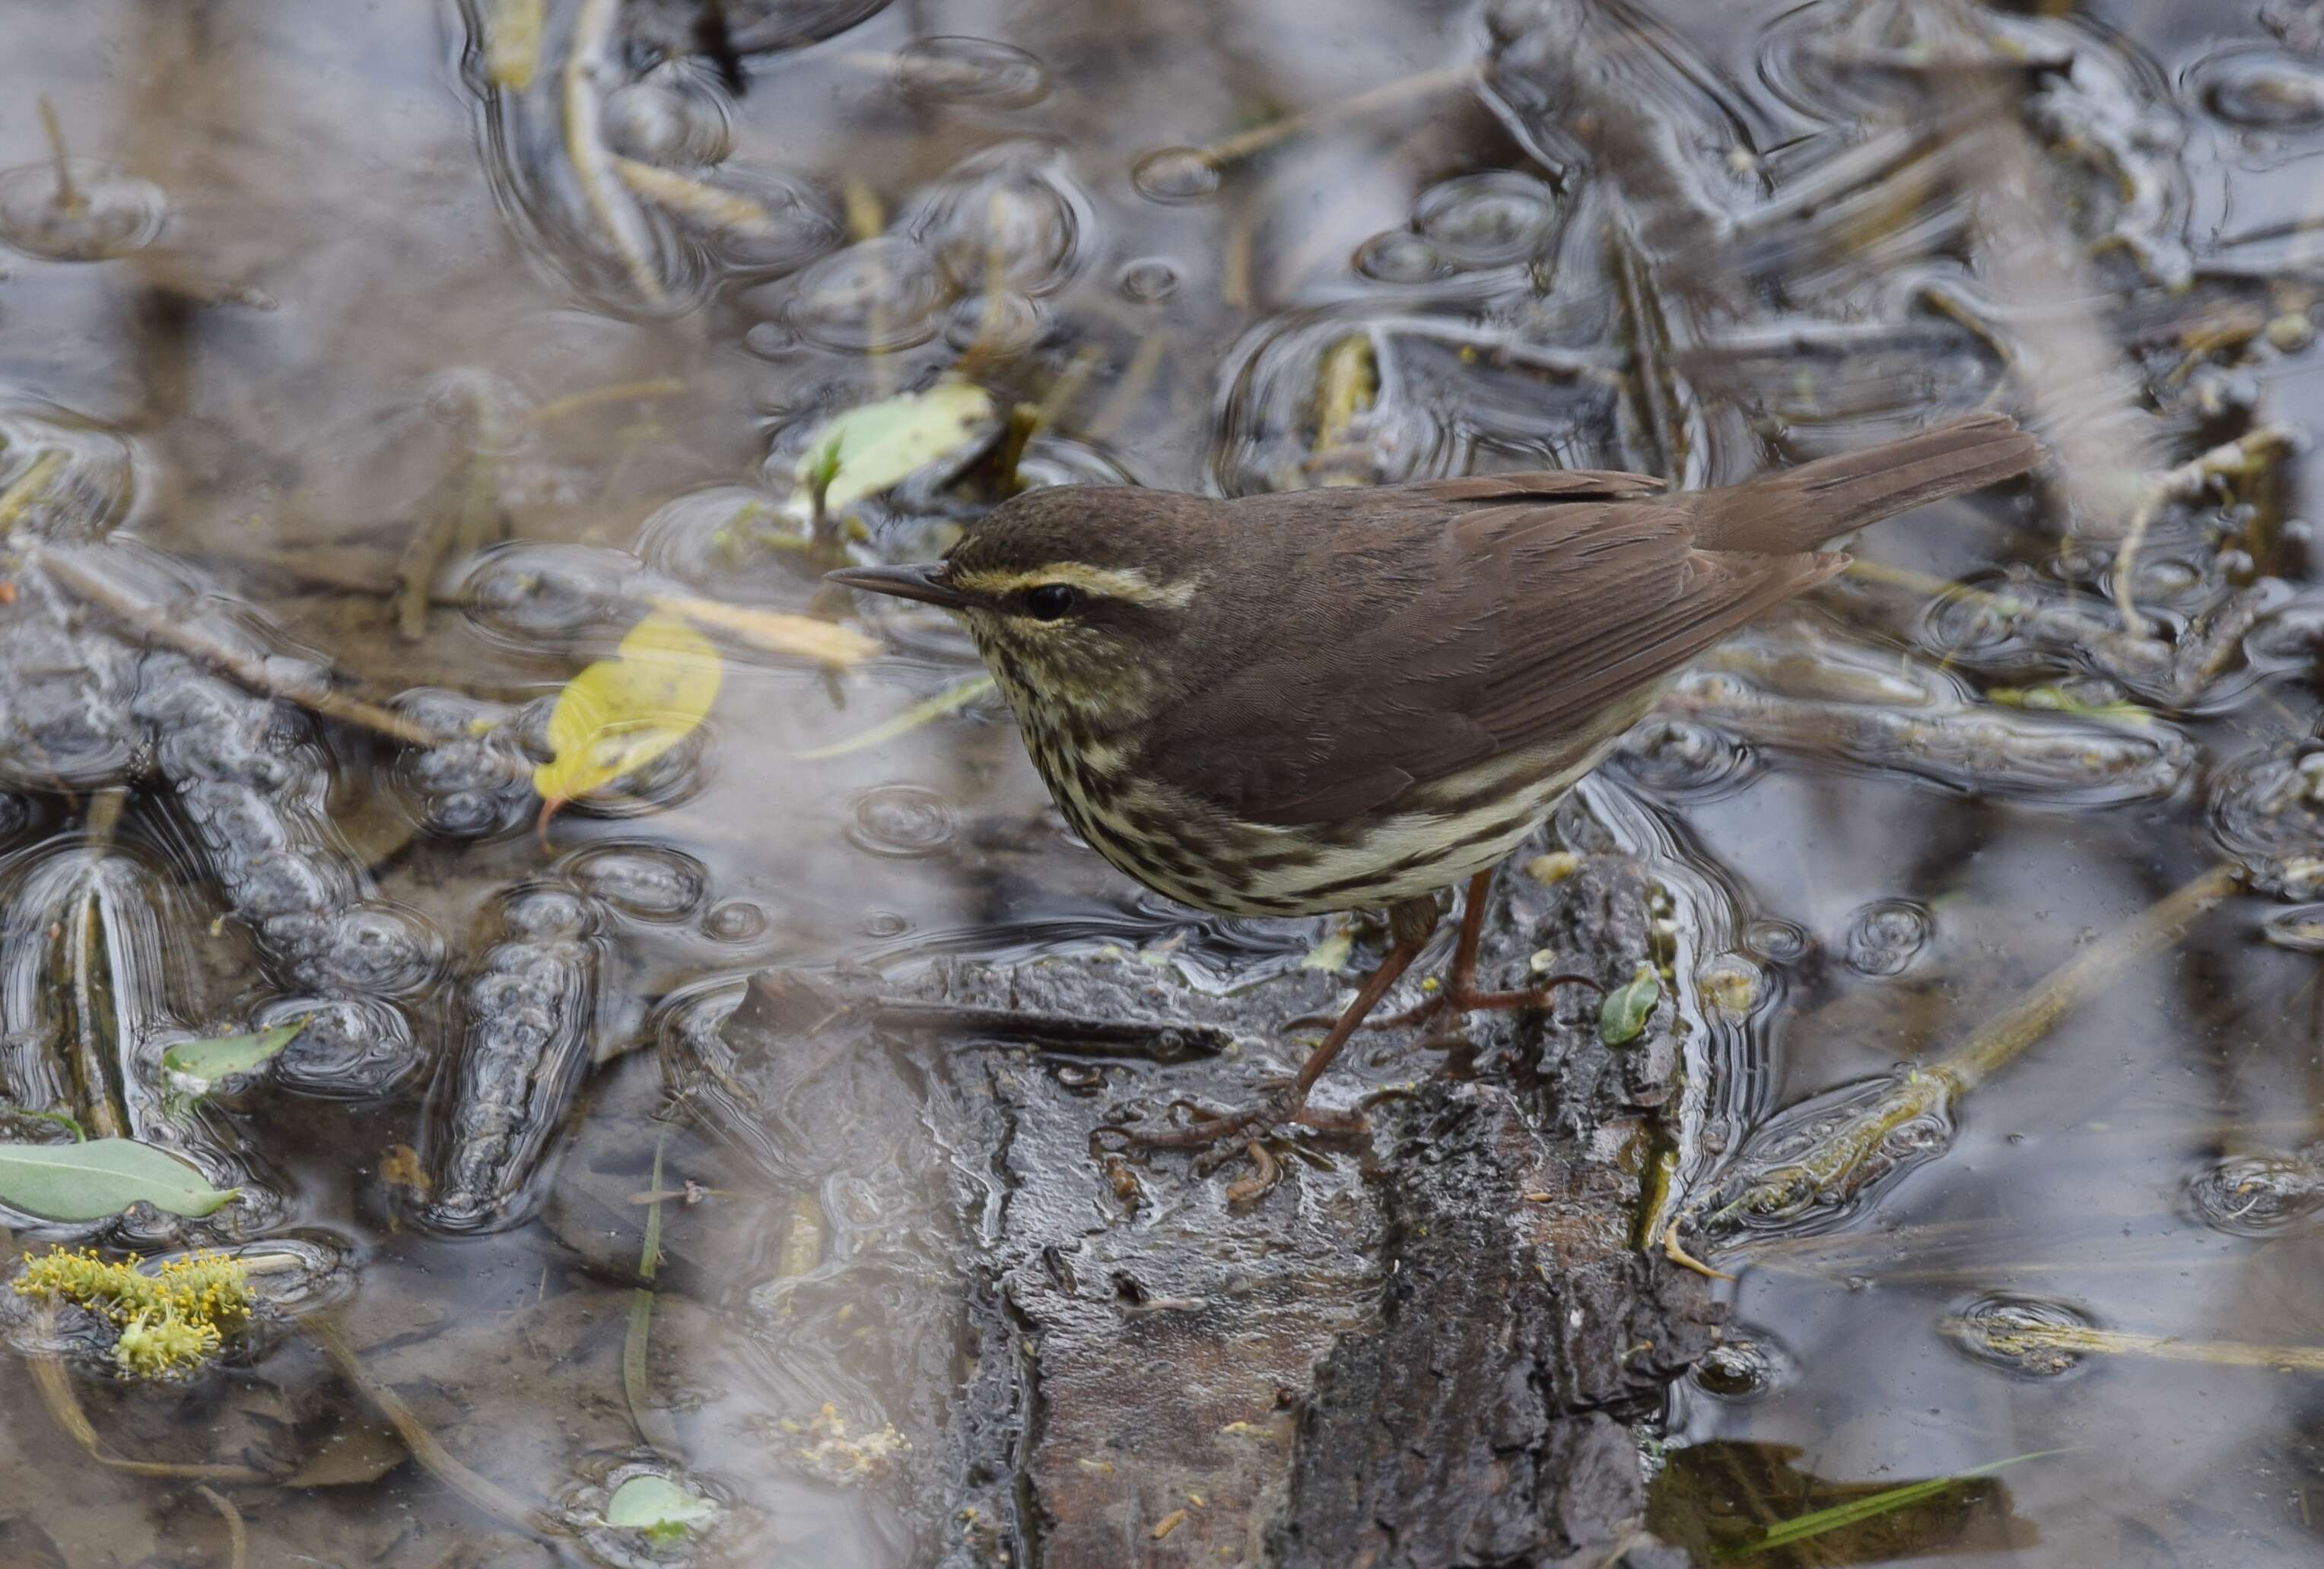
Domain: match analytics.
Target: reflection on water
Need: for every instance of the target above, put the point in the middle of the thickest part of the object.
(409, 354)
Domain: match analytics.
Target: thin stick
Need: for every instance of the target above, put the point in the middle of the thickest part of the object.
(237, 1538)
(692, 198)
(2083, 977)
(653, 1426)
(439, 1460)
(1130, 391)
(1259, 138)
(235, 665)
(2012, 1339)
(56, 1390)
(612, 206)
(619, 392)
(69, 195)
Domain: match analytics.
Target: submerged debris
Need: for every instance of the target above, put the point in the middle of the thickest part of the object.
(502, 1096)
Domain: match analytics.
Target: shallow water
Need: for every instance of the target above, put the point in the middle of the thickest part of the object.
(324, 287)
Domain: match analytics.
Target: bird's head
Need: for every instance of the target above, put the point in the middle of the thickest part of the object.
(1076, 595)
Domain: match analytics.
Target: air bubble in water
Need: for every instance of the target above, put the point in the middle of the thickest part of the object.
(970, 71)
(1175, 175)
(1885, 937)
(902, 819)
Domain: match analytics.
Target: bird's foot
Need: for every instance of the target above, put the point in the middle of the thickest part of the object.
(1458, 996)
(1274, 1113)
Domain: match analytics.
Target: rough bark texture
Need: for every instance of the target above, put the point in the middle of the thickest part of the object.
(1422, 1345)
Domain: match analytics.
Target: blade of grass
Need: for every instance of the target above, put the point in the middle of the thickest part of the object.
(1855, 1511)
(653, 1426)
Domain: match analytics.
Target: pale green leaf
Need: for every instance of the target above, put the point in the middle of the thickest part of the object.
(872, 448)
(102, 1178)
(657, 1507)
(1623, 1014)
(622, 714)
(209, 1061)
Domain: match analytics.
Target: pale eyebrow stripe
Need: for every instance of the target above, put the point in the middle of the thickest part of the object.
(1129, 586)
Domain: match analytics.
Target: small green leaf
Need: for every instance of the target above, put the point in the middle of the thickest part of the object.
(102, 1178)
(1333, 952)
(659, 1506)
(207, 1061)
(1624, 1012)
(879, 445)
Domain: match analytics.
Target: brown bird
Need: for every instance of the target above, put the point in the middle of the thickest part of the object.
(1334, 699)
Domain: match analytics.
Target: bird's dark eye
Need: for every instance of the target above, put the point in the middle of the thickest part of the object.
(1052, 600)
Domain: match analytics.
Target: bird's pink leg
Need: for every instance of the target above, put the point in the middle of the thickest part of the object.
(1413, 934)
(1459, 994)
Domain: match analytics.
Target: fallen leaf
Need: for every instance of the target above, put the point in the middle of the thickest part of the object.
(622, 714)
(206, 1062)
(1623, 1012)
(659, 1506)
(878, 446)
(100, 1178)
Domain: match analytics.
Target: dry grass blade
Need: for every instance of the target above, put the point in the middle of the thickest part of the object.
(251, 673)
(609, 203)
(2020, 1337)
(956, 696)
(1833, 1162)
(54, 1382)
(237, 1538)
(437, 1461)
(653, 1424)
(775, 631)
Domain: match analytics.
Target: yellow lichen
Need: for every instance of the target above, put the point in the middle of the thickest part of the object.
(837, 1458)
(171, 1321)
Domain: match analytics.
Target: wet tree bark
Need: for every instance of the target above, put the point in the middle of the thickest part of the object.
(1425, 1345)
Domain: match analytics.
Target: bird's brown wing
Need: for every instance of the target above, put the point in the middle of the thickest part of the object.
(1452, 638)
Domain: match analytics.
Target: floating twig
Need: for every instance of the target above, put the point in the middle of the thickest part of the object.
(776, 631)
(240, 667)
(69, 195)
(53, 1382)
(237, 1538)
(1829, 1164)
(433, 1457)
(2017, 1336)
(1388, 95)
(616, 212)
(689, 197)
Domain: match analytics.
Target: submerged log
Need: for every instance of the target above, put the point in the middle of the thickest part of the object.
(1425, 1345)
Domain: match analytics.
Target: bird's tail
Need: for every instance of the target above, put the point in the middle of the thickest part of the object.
(1800, 509)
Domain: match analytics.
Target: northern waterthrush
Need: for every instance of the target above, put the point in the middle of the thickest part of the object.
(1334, 699)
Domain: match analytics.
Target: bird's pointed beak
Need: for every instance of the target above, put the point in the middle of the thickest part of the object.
(925, 583)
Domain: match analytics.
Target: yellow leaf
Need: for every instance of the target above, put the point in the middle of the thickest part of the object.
(622, 714)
